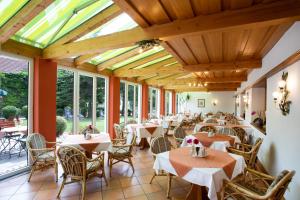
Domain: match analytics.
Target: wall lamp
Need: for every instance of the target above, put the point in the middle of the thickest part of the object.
(246, 98)
(214, 102)
(237, 101)
(281, 96)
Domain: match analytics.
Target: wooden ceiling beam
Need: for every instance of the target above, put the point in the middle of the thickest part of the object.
(84, 58)
(210, 85)
(14, 47)
(204, 90)
(255, 16)
(222, 66)
(90, 25)
(96, 45)
(22, 17)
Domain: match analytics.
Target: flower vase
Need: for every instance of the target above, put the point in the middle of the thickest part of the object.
(193, 150)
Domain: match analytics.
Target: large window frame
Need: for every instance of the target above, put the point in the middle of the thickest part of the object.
(151, 111)
(136, 104)
(76, 97)
(30, 107)
(168, 102)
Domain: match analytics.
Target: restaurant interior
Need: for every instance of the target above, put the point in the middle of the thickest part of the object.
(149, 99)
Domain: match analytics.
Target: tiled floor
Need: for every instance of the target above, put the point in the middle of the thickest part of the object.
(123, 184)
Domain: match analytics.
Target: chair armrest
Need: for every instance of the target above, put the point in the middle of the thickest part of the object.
(44, 149)
(236, 151)
(246, 192)
(257, 173)
(121, 146)
(118, 140)
(96, 158)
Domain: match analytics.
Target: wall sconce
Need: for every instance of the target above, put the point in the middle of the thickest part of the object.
(282, 95)
(214, 102)
(237, 101)
(246, 98)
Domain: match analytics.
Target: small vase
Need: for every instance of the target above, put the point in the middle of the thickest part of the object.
(193, 150)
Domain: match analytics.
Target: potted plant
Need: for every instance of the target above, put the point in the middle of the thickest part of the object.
(61, 125)
(9, 112)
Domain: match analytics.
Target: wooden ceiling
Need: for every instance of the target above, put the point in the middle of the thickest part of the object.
(214, 43)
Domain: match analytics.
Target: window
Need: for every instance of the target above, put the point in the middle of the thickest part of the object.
(153, 102)
(15, 113)
(129, 101)
(81, 100)
(168, 102)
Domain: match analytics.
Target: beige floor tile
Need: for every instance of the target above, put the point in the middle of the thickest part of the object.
(46, 194)
(157, 196)
(94, 196)
(115, 194)
(29, 187)
(150, 188)
(141, 197)
(112, 184)
(24, 196)
(126, 182)
(133, 191)
(8, 191)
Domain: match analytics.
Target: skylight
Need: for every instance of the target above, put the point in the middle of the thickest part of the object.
(154, 62)
(120, 23)
(58, 19)
(9, 8)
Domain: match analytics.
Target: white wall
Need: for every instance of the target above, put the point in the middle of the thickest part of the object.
(280, 149)
(225, 102)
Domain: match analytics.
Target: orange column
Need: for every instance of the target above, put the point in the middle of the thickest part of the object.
(113, 104)
(162, 101)
(145, 93)
(174, 102)
(44, 98)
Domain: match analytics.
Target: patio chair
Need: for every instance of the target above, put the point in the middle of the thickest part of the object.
(158, 145)
(41, 156)
(211, 121)
(79, 168)
(228, 131)
(208, 129)
(256, 185)
(118, 131)
(241, 133)
(179, 135)
(249, 152)
(121, 152)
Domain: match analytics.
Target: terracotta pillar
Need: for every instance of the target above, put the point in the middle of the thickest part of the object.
(162, 101)
(173, 102)
(44, 98)
(145, 93)
(113, 104)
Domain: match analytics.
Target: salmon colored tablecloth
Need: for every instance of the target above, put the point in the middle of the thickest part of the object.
(207, 141)
(145, 130)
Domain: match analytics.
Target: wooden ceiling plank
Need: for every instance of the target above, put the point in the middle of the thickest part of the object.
(22, 49)
(89, 25)
(205, 90)
(223, 66)
(260, 15)
(182, 8)
(180, 46)
(206, 7)
(136, 16)
(89, 46)
(22, 17)
(197, 45)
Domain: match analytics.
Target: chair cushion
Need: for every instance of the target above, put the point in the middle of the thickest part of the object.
(117, 150)
(47, 156)
(92, 166)
(277, 179)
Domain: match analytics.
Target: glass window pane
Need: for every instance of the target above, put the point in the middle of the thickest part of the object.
(100, 104)
(85, 101)
(130, 102)
(122, 102)
(64, 97)
(136, 110)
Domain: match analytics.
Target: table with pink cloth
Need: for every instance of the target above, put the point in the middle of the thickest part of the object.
(98, 142)
(145, 130)
(209, 171)
(217, 142)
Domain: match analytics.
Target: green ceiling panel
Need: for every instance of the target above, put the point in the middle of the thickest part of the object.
(137, 57)
(58, 19)
(110, 54)
(154, 62)
(120, 23)
(8, 8)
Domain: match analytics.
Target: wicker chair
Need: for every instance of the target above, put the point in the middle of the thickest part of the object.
(118, 131)
(249, 152)
(208, 129)
(79, 168)
(227, 131)
(158, 145)
(179, 135)
(256, 185)
(211, 121)
(241, 133)
(121, 152)
(41, 156)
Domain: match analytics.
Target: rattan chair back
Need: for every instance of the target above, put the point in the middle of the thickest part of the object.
(160, 144)
(211, 121)
(35, 141)
(118, 131)
(253, 152)
(228, 131)
(241, 133)
(208, 129)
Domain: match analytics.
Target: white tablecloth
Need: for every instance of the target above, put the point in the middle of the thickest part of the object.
(217, 145)
(100, 142)
(142, 132)
(212, 178)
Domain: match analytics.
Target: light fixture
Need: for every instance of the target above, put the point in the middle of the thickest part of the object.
(205, 84)
(214, 102)
(246, 99)
(237, 101)
(148, 44)
(190, 84)
(282, 95)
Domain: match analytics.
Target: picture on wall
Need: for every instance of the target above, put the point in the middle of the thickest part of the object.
(201, 103)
